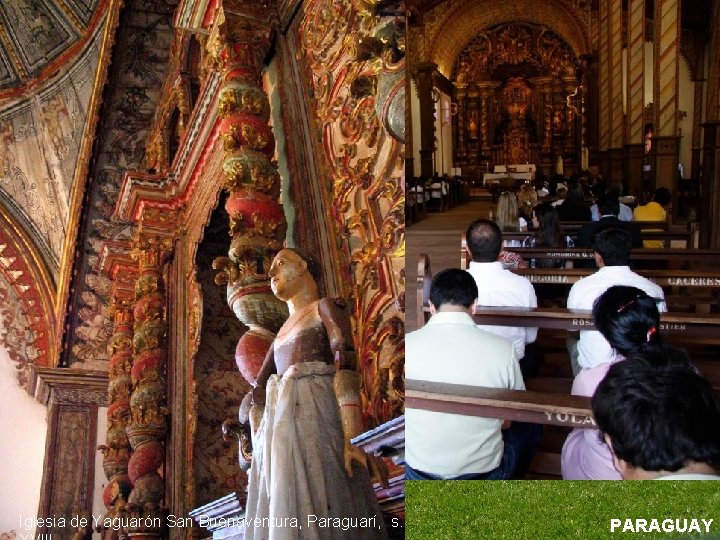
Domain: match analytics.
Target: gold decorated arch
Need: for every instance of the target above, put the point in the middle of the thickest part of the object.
(459, 24)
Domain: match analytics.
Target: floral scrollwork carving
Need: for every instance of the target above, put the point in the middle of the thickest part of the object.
(246, 171)
(237, 97)
(229, 270)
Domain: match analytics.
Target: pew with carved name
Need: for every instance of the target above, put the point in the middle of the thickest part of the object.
(674, 240)
(518, 405)
(678, 256)
(694, 289)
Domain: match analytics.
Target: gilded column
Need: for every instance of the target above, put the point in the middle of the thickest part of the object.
(604, 78)
(460, 120)
(116, 450)
(666, 61)
(147, 430)
(257, 221)
(615, 21)
(424, 80)
(547, 114)
(486, 89)
(635, 71)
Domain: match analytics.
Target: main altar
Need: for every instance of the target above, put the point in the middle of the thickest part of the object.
(519, 100)
(518, 172)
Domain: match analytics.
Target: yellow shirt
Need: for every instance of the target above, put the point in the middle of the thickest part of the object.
(652, 211)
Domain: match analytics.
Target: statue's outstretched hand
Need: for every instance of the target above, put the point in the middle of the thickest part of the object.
(375, 465)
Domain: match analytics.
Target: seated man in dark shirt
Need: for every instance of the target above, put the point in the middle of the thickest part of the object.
(609, 208)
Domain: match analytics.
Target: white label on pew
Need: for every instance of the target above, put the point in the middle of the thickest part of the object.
(582, 322)
(566, 418)
(564, 255)
(549, 279)
(672, 326)
(694, 281)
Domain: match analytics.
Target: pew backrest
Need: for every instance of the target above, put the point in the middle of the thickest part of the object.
(517, 405)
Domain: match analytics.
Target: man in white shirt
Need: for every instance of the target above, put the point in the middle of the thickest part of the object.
(500, 287)
(452, 349)
(659, 417)
(612, 256)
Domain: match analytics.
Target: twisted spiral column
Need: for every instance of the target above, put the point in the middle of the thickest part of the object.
(116, 450)
(257, 221)
(147, 429)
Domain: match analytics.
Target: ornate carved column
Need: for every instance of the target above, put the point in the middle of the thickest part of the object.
(424, 79)
(486, 91)
(116, 450)
(543, 86)
(460, 120)
(147, 430)
(257, 222)
(571, 142)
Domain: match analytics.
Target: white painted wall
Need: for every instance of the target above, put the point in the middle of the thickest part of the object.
(23, 427)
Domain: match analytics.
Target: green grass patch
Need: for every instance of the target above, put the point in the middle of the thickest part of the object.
(539, 510)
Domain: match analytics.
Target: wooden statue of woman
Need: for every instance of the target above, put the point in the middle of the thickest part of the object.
(306, 480)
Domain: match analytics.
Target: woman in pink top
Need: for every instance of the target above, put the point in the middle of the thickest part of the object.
(628, 318)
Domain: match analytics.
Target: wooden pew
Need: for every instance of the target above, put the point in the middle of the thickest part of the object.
(575, 225)
(548, 400)
(664, 278)
(688, 324)
(694, 279)
(641, 254)
(674, 239)
(695, 325)
(522, 406)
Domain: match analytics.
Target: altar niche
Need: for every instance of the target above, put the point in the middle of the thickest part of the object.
(519, 95)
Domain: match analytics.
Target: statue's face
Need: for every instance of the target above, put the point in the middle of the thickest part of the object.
(285, 272)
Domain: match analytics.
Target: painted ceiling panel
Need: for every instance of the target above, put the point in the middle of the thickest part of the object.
(40, 32)
(83, 9)
(8, 75)
(139, 65)
(40, 138)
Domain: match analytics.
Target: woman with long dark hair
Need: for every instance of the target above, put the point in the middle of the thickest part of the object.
(629, 319)
(548, 233)
(574, 207)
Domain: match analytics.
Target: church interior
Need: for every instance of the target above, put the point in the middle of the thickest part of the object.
(508, 95)
(156, 155)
